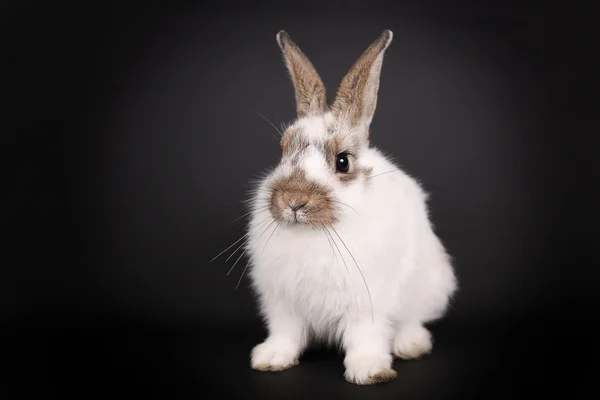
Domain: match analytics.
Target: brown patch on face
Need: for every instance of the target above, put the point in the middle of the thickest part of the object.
(292, 141)
(314, 201)
(356, 97)
(344, 143)
(311, 96)
(350, 177)
(335, 146)
(367, 172)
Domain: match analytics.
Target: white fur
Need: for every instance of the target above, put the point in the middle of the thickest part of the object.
(306, 289)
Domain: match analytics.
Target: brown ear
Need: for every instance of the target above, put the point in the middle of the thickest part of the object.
(311, 96)
(356, 98)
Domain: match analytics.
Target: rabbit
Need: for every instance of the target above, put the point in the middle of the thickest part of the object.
(340, 245)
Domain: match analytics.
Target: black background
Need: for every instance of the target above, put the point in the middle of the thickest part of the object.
(133, 133)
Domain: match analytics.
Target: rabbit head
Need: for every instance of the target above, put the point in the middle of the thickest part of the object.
(321, 160)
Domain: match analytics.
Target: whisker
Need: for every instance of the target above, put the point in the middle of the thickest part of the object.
(265, 219)
(359, 270)
(330, 244)
(242, 275)
(343, 260)
(258, 188)
(258, 239)
(256, 194)
(258, 209)
(266, 119)
(383, 173)
(271, 235)
(244, 252)
(246, 241)
(266, 229)
(259, 194)
(237, 241)
(337, 201)
(282, 126)
(234, 243)
(236, 261)
(235, 251)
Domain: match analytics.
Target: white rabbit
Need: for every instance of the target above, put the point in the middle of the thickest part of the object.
(340, 243)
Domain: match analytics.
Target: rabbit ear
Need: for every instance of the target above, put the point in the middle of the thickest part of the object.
(356, 98)
(311, 96)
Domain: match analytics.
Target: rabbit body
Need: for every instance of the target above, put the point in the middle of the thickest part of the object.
(340, 242)
(370, 281)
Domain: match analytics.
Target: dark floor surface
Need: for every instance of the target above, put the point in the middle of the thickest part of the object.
(485, 360)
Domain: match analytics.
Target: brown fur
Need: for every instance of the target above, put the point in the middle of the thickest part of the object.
(337, 144)
(344, 143)
(350, 177)
(278, 368)
(355, 104)
(292, 142)
(382, 376)
(297, 189)
(356, 97)
(311, 95)
(368, 174)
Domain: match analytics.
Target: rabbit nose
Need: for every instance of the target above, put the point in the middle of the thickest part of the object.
(296, 207)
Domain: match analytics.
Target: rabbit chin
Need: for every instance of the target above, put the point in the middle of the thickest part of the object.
(295, 218)
(301, 219)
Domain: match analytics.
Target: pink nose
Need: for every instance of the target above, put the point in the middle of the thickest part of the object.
(296, 207)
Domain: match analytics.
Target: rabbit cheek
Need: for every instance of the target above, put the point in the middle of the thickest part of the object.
(348, 178)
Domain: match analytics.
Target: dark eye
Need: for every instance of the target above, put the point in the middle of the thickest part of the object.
(342, 164)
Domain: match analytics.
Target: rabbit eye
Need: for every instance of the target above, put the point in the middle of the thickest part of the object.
(342, 163)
